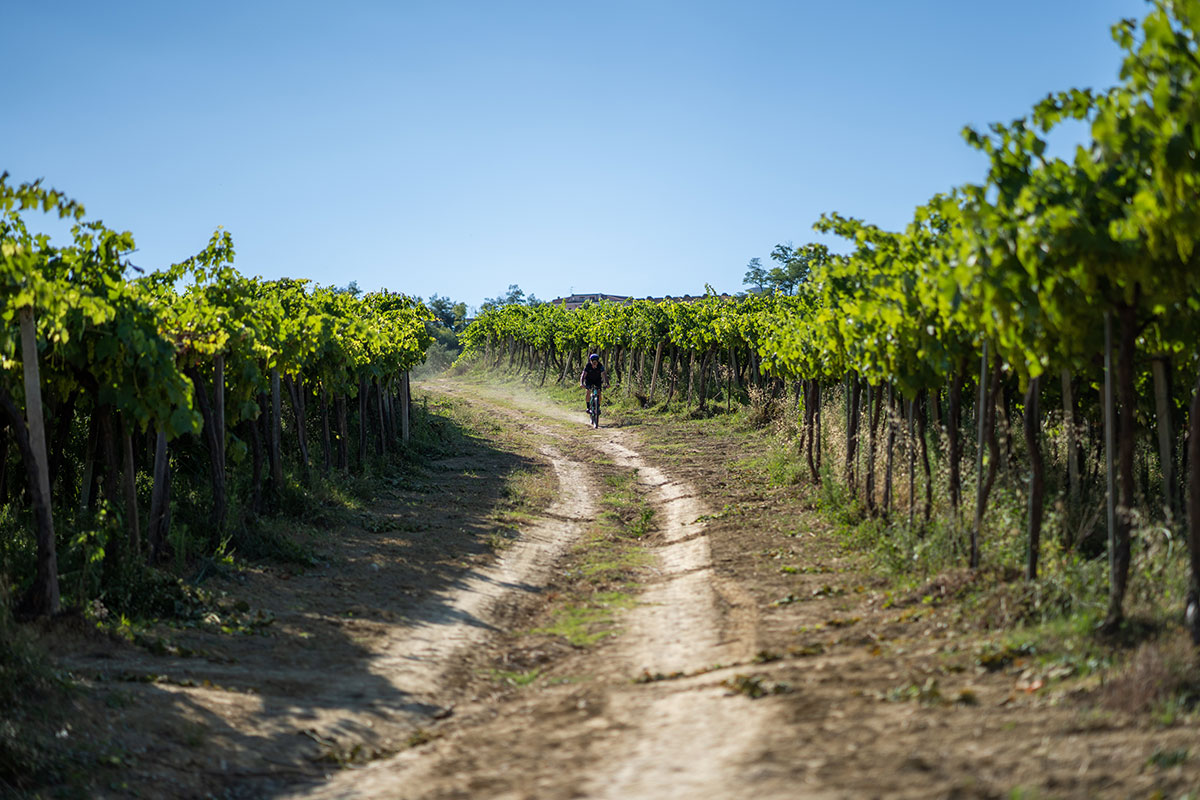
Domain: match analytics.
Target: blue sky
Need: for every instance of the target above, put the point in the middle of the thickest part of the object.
(458, 147)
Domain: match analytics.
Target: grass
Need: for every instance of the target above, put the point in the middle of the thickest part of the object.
(526, 493)
(1161, 678)
(625, 506)
(606, 563)
(584, 623)
(605, 566)
(518, 678)
(782, 466)
(36, 745)
(755, 686)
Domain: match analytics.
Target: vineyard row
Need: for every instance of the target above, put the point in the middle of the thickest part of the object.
(130, 396)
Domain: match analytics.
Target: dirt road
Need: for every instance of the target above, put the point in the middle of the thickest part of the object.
(770, 662)
(680, 738)
(668, 625)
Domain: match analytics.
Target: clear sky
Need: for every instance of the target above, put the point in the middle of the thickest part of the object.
(459, 146)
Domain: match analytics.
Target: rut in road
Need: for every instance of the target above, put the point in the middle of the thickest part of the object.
(690, 739)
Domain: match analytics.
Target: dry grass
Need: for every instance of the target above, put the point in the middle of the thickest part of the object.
(1163, 676)
(766, 409)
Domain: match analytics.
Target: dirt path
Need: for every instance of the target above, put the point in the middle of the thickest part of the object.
(383, 659)
(688, 740)
(417, 658)
(653, 739)
(778, 665)
(744, 653)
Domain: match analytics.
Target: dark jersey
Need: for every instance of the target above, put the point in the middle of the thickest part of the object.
(593, 376)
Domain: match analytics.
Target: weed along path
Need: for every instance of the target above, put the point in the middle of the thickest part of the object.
(639, 710)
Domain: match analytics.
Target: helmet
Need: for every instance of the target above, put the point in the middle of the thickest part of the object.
(593, 357)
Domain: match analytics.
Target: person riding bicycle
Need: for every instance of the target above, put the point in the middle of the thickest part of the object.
(593, 375)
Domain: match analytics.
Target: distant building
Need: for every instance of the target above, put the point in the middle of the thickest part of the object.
(574, 301)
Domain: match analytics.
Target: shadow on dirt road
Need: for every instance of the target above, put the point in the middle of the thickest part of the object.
(329, 665)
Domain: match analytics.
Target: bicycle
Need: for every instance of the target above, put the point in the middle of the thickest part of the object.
(593, 405)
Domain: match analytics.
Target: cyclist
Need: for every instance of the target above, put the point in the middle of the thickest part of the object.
(593, 375)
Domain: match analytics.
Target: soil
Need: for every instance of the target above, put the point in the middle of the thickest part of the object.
(759, 658)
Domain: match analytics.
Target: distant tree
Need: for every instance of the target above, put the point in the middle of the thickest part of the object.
(448, 313)
(514, 297)
(350, 288)
(782, 277)
(449, 320)
(795, 265)
(756, 274)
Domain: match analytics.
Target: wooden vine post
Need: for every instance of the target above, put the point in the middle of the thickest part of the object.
(44, 597)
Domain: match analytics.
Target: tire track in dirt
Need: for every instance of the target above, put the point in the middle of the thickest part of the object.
(418, 660)
(676, 627)
(421, 659)
(691, 739)
(685, 737)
